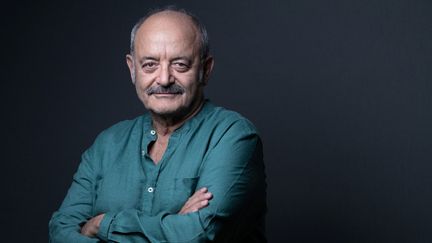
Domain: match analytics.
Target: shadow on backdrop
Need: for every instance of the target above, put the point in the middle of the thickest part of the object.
(340, 91)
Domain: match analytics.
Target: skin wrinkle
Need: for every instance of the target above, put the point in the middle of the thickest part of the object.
(116, 178)
(169, 75)
(167, 47)
(200, 29)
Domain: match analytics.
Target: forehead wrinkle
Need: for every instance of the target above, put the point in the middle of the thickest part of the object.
(162, 49)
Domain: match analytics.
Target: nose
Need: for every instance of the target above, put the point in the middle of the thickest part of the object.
(165, 77)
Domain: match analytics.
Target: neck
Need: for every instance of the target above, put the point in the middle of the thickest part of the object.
(165, 125)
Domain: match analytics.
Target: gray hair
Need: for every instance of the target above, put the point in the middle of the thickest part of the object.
(204, 40)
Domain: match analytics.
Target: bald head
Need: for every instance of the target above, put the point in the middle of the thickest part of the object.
(168, 30)
(169, 63)
(173, 18)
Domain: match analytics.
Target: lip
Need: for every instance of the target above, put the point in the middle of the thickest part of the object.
(167, 95)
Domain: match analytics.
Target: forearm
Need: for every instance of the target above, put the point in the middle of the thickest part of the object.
(65, 229)
(236, 188)
(164, 227)
(76, 208)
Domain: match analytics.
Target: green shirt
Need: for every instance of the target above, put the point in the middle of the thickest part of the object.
(217, 149)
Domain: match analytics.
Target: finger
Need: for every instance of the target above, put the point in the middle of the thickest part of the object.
(199, 205)
(196, 206)
(198, 200)
(91, 227)
(193, 197)
(197, 197)
(87, 229)
(204, 189)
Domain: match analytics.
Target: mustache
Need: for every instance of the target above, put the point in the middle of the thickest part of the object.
(172, 89)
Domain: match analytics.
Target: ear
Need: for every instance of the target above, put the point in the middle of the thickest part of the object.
(131, 66)
(207, 69)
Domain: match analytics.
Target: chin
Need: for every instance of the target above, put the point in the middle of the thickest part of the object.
(169, 108)
(166, 110)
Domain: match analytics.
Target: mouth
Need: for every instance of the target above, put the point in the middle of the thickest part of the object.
(165, 95)
(173, 93)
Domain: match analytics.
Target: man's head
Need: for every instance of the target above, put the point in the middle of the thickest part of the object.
(169, 61)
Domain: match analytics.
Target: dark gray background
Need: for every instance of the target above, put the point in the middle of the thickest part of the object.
(340, 91)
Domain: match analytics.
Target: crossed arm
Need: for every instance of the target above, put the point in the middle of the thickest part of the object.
(198, 200)
(233, 172)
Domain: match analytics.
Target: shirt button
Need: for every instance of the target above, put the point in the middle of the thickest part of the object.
(143, 153)
(150, 189)
(152, 132)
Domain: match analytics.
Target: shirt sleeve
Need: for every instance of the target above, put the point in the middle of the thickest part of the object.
(76, 209)
(233, 172)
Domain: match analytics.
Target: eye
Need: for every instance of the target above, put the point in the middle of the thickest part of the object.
(149, 66)
(181, 66)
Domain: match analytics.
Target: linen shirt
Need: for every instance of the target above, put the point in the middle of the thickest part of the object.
(217, 148)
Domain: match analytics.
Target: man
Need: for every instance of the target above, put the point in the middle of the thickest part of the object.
(187, 171)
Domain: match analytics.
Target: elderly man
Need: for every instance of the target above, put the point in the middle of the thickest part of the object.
(187, 171)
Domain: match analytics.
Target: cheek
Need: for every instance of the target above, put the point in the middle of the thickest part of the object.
(142, 82)
(193, 92)
(141, 91)
(193, 83)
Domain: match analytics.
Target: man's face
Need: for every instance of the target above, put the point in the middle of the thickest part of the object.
(166, 67)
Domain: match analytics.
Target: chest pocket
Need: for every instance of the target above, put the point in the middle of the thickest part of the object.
(180, 191)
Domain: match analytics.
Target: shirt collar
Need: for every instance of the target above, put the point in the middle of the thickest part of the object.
(190, 123)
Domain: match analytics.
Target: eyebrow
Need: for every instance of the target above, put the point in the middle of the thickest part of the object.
(188, 59)
(148, 58)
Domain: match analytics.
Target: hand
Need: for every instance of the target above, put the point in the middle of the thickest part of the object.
(198, 200)
(91, 227)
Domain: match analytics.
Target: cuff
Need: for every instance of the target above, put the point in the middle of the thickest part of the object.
(104, 226)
